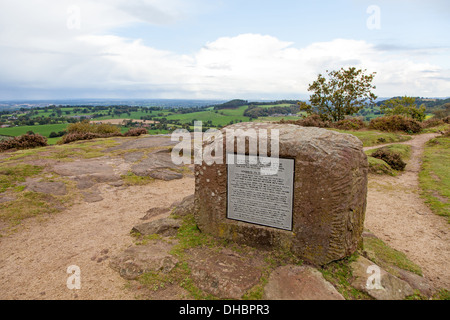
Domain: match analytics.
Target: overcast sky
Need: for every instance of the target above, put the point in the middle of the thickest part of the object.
(218, 49)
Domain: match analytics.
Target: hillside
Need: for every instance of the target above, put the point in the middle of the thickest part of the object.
(76, 204)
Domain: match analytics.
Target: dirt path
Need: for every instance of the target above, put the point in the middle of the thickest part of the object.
(34, 260)
(397, 214)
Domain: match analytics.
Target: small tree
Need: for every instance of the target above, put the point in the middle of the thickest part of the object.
(345, 92)
(405, 106)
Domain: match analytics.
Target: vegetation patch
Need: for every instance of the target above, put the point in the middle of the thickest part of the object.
(396, 123)
(392, 158)
(131, 179)
(26, 141)
(11, 175)
(27, 205)
(386, 257)
(339, 273)
(378, 166)
(434, 177)
(371, 138)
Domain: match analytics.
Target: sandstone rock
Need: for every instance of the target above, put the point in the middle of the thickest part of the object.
(415, 281)
(143, 143)
(92, 195)
(330, 191)
(47, 187)
(136, 260)
(392, 288)
(84, 182)
(166, 175)
(84, 167)
(299, 283)
(224, 274)
(133, 156)
(6, 198)
(153, 212)
(164, 227)
(185, 207)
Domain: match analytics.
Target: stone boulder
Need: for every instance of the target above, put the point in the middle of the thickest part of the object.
(329, 197)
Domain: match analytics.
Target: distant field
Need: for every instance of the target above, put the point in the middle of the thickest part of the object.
(121, 121)
(44, 130)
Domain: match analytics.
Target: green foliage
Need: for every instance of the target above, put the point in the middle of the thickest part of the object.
(405, 106)
(345, 92)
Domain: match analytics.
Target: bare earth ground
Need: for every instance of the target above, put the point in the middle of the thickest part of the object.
(397, 214)
(34, 260)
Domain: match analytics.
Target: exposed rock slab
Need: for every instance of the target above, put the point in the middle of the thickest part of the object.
(392, 288)
(165, 174)
(299, 283)
(224, 274)
(144, 143)
(47, 187)
(136, 260)
(92, 195)
(153, 212)
(184, 207)
(164, 227)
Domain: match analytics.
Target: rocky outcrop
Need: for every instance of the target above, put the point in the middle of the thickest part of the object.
(388, 287)
(163, 227)
(224, 274)
(136, 260)
(299, 283)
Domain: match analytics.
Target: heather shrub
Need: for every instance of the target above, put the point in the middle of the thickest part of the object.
(393, 159)
(446, 119)
(135, 132)
(349, 124)
(26, 141)
(395, 123)
(430, 123)
(86, 127)
(313, 120)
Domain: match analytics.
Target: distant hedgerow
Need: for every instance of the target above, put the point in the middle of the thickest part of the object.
(26, 141)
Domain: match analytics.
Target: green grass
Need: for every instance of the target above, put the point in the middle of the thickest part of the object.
(434, 177)
(43, 130)
(130, 179)
(385, 256)
(378, 166)
(371, 138)
(339, 274)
